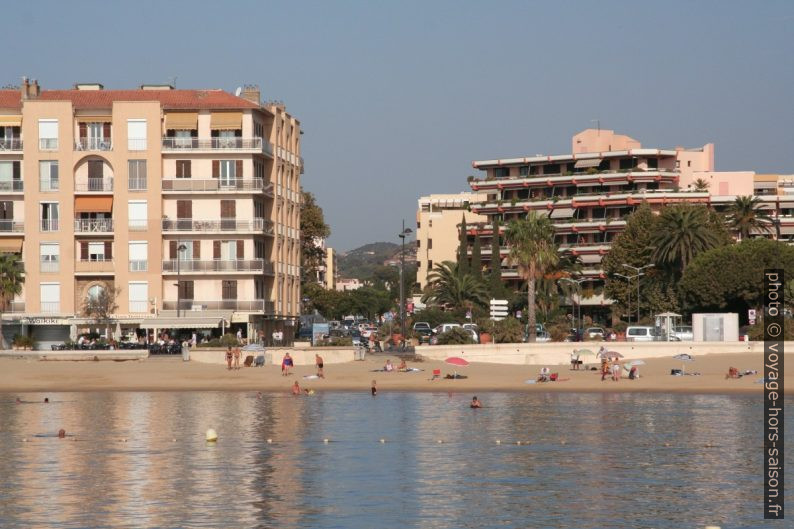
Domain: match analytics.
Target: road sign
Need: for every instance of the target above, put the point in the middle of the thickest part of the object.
(498, 309)
(751, 316)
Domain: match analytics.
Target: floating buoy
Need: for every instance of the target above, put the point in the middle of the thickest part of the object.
(666, 444)
(24, 439)
(270, 441)
(123, 440)
(325, 440)
(564, 442)
(518, 443)
(498, 442)
(440, 441)
(712, 527)
(212, 436)
(383, 440)
(173, 440)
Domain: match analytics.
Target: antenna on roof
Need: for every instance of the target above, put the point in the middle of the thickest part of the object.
(238, 91)
(173, 81)
(598, 124)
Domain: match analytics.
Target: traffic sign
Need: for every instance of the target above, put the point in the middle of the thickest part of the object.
(751, 316)
(498, 309)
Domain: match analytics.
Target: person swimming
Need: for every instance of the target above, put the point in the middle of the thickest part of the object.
(46, 399)
(475, 402)
(61, 433)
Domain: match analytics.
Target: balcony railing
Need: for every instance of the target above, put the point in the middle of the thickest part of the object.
(255, 305)
(50, 307)
(93, 225)
(214, 184)
(139, 265)
(48, 144)
(49, 266)
(139, 307)
(213, 144)
(95, 265)
(216, 265)
(49, 224)
(136, 183)
(93, 144)
(95, 185)
(11, 144)
(16, 306)
(231, 225)
(11, 185)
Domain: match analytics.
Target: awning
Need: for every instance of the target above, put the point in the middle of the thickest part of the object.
(11, 245)
(181, 121)
(11, 121)
(212, 322)
(590, 258)
(94, 119)
(786, 204)
(586, 164)
(226, 120)
(562, 213)
(764, 185)
(616, 182)
(93, 204)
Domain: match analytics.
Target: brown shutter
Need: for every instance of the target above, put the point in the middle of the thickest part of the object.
(180, 169)
(197, 250)
(228, 209)
(229, 289)
(170, 133)
(172, 249)
(184, 209)
(188, 169)
(238, 168)
(189, 290)
(216, 249)
(108, 251)
(240, 249)
(84, 251)
(216, 168)
(106, 131)
(238, 133)
(83, 131)
(213, 133)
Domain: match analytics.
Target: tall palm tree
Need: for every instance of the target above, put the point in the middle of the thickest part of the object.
(532, 249)
(747, 214)
(701, 185)
(11, 281)
(682, 232)
(447, 286)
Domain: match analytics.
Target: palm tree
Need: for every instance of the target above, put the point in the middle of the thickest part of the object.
(701, 185)
(682, 232)
(11, 281)
(532, 249)
(747, 214)
(447, 286)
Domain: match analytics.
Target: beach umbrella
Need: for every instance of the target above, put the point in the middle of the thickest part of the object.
(584, 352)
(253, 348)
(456, 361)
(636, 363)
(683, 357)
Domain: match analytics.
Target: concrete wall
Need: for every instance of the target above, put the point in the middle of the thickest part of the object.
(300, 357)
(560, 353)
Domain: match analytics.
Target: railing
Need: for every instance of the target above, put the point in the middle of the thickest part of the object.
(93, 144)
(136, 183)
(216, 265)
(95, 184)
(215, 144)
(137, 224)
(139, 307)
(96, 265)
(50, 307)
(136, 144)
(48, 144)
(11, 226)
(13, 144)
(16, 306)
(11, 185)
(140, 265)
(93, 225)
(214, 184)
(48, 224)
(49, 266)
(215, 225)
(256, 305)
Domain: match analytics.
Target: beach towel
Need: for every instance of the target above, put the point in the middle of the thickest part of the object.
(310, 377)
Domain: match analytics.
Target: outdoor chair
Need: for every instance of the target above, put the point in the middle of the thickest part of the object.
(436, 374)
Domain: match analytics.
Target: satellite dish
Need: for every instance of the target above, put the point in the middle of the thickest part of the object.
(238, 91)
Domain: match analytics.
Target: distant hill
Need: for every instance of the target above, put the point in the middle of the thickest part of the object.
(361, 262)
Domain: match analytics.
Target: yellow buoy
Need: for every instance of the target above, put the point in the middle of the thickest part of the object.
(440, 441)
(212, 436)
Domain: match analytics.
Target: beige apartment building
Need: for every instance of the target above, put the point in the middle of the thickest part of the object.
(437, 220)
(185, 203)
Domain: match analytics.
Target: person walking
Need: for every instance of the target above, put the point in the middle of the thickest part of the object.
(318, 360)
(229, 357)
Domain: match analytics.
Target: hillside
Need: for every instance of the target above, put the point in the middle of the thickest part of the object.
(361, 262)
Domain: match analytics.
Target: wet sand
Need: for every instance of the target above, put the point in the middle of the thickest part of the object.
(171, 374)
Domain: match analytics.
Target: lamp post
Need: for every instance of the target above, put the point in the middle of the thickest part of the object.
(403, 234)
(181, 248)
(638, 270)
(578, 283)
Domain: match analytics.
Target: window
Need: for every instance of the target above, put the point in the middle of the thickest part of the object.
(96, 251)
(183, 169)
(183, 138)
(94, 292)
(136, 175)
(139, 296)
(228, 172)
(138, 256)
(501, 172)
(48, 175)
(653, 163)
(49, 253)
(10, 176)
(48, 134)
(259, 289)
(229, 290)
(49, 216)
(136, 134)
(259, 250)
(689, 163)
(552, 168)
(523, 170)
(138, 213)
(185, 289)
(228, 250)
(430, 264)
(627, 163)
(429, 244)
(50, 296)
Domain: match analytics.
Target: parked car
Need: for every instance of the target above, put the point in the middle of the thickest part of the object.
(356, 335)
(423, 335)
(444, 327)
(595, 332)
(539, 330)
(472, 333)
(684, 333)
(367, 330)
(422, 325)
(543, 337)
(641, 334)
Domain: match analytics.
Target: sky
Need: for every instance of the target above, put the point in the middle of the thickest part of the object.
(397, 98)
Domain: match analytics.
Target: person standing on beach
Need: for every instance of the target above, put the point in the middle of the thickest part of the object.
(575, 360)
(286, 365)
(616, 370)
(237, 354)
(319, 361)
(604, 368)
(374, 388)
(229, 357)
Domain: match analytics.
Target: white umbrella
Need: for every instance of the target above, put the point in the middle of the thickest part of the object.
(684, 358)
(636, 363)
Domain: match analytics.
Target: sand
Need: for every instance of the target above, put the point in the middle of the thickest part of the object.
(171, 374)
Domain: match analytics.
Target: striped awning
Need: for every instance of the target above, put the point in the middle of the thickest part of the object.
(10, 121)
(590, 258)
(212, 322)
(93, 204)
(586, 164)
(181, 121)
(765, 185)
(226, 120)
(10, 245)
(94, 119)
(562, 213)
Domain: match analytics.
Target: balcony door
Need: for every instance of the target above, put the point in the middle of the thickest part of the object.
(184, 214)
(186, 293)
(229, 294)
(95, 174)
(228, 215)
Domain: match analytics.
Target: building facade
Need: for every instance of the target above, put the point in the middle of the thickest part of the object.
(183, 203)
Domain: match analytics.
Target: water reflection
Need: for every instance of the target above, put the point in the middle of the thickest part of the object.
(585, 461)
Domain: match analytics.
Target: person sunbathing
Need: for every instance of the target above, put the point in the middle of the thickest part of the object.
(389, 366)
(733, 372)
(544, 374)
(403, 366)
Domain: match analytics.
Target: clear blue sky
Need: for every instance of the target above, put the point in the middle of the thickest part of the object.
(398, 98)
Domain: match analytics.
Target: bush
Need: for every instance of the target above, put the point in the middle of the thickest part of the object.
(756, 332)
(25, 342)
(455, 336)
(508, 330)
(620, 326)
(336, 341)
(229, 339)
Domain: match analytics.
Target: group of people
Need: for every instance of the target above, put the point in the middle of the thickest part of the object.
(287, 363)
(233, 357)
(389, 367)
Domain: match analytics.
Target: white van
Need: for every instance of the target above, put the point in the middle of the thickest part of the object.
(444, 327)
(641, 334)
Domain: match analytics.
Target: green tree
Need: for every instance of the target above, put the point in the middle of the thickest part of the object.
(313, 229)
(682, 232)
(476, 258)
(532, 249)
(747, 214)
(11, 280)
(701, 185)
(102, 305)
(463, 248)
(448, 287)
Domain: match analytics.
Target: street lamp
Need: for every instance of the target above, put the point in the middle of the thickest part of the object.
(403, 234)
(638, 270)
(578, 283)
(181, 248)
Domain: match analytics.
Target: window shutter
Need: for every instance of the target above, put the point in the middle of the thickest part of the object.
(196, 250)
(180, 169)
(213, 134)
(15, 132)
(172, 249)
(216, 168)
(216, 249)
(108, 251)
(106, 131)
(189, 290)
(188, 169)
(170, 133)
(17, 171)
(238, 168)
(84, 251)
(240, 249)
(238, 133)
(83, 131)
(228, 209)
(193, 133)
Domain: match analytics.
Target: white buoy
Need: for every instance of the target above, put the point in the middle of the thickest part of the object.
(564, 442)
(712, 527)
(518, 443)
(212, 436)
(123, 440)
(325, 440)
(24, 439)
(440, 441)
(270, 441)
(498, 442)
(383, 440)
(173, 440)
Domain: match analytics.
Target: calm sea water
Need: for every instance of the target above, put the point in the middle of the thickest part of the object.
(594, 461)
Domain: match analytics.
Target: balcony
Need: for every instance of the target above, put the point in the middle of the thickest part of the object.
(83, 266)
(16, 306)
(12, 186)
(93, 144)
(99, 226)
(12, 144)
(48, 224)
(187, 266)
(49, 267)
(216, 185)
(256, 305)
(94, 185)
(223, 225)
(50, 307)
(217, 144)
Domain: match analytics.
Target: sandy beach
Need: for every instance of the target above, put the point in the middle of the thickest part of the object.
(171, 374)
